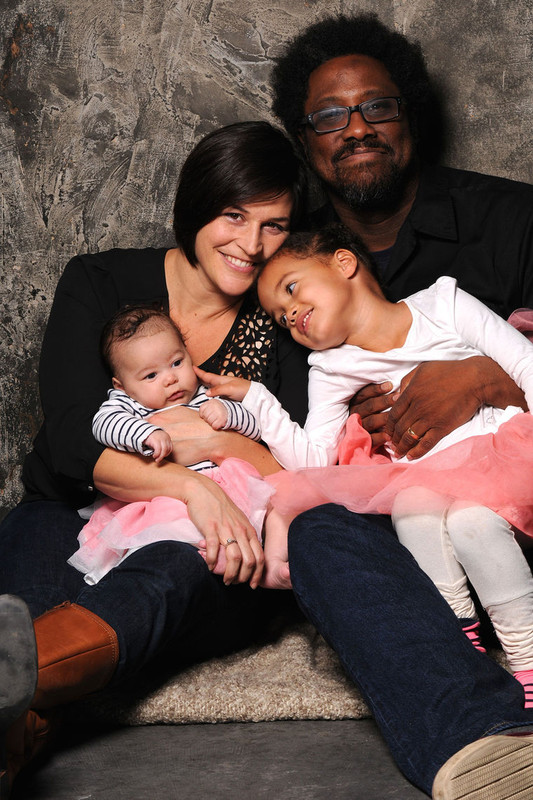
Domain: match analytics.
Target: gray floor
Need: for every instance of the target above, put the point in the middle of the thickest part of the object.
(310, 760)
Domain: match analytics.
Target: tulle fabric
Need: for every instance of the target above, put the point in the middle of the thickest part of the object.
(494, 470)
(116, 529)
(522, 320)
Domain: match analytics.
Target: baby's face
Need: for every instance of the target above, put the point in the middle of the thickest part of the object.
(155, 369)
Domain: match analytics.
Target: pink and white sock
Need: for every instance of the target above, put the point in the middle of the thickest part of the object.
(471, 632)
(525, 677)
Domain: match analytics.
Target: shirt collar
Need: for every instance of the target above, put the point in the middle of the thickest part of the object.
(432, 212)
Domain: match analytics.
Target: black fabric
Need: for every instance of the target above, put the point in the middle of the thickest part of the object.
(74, 380)
(476, 228)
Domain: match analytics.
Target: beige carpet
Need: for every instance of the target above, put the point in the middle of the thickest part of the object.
(296, 677)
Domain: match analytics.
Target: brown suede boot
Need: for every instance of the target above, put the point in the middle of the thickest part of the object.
(77, 654)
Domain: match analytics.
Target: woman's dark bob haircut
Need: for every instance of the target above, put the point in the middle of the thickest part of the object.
(234, 165)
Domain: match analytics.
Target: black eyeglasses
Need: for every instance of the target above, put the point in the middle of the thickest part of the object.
(327, 120)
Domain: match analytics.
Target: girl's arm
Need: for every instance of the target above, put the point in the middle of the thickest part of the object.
(498, 378)
(494, 337)
(315, 445)
(117, 424)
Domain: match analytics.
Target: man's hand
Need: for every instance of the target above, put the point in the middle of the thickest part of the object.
(215, 413)
(224, 385)
(439, 396)
(371, 403)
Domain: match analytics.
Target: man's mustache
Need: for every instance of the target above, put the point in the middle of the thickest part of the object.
(352, 146)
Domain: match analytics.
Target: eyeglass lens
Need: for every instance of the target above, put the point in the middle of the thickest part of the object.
(381, 109)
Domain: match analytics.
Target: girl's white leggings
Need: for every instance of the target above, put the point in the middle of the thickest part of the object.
(455, 542)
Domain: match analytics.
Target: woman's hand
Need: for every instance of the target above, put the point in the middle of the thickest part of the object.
(195, 440)
(224, 525)
(131, 477)
(439, 396)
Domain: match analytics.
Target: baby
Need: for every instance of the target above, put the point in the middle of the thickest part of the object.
(152, 371)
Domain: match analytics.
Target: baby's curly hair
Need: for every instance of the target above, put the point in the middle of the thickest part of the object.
(130, 321)
(362, 34)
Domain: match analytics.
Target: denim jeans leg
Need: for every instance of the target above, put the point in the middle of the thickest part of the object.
(162, 600)
(36, 539)
(164, 603)
(430, 691)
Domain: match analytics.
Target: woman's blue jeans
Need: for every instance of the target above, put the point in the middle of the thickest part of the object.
(430, 691)
(161, 601)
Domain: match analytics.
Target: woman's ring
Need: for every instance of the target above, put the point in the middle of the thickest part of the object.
(411, 432)
(230, 541)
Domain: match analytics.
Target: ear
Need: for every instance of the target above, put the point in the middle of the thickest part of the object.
(116, 383)
(346, 262)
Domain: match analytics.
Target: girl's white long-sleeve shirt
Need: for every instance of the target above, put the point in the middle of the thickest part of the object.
(448, 325)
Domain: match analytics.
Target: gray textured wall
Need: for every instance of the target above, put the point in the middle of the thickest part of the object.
(101, 100)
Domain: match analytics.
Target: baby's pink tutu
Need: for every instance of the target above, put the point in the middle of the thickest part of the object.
(115, 529)
(494, 470)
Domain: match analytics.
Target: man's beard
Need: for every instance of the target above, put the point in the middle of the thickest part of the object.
(364, 190)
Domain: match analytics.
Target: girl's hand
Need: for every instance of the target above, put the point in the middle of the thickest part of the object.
(224, 525)
(224, 385)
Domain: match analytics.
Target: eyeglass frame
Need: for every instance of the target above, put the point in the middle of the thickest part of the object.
(307, 120)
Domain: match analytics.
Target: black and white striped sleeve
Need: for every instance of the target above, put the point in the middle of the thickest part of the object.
(119, 424)
(241, 420)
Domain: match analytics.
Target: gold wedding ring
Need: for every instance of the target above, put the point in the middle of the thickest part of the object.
(411, 432)
(230, 541)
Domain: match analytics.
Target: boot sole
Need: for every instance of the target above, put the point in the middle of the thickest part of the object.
(493, 768)
(18, 659)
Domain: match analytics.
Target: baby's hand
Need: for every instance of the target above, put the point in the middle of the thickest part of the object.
(215, 413)
(224, 385)
(161, 443)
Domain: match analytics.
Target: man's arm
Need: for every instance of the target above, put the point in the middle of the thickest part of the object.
(499, 379)
(439, 396)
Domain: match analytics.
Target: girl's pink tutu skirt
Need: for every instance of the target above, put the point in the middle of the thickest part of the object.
(494, 470)
(116, 529)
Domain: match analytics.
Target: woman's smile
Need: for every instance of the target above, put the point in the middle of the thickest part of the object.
(240, 264)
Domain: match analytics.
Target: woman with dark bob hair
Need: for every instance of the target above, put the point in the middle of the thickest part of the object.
(239, 193)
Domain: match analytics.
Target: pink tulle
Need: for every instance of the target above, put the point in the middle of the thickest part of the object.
(115, 527)
(493, 470)
(522, 320)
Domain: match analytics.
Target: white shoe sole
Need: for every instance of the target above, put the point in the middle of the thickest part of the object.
(493, 768)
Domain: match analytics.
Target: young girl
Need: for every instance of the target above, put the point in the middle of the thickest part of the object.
(152, 370)
(457, 508)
